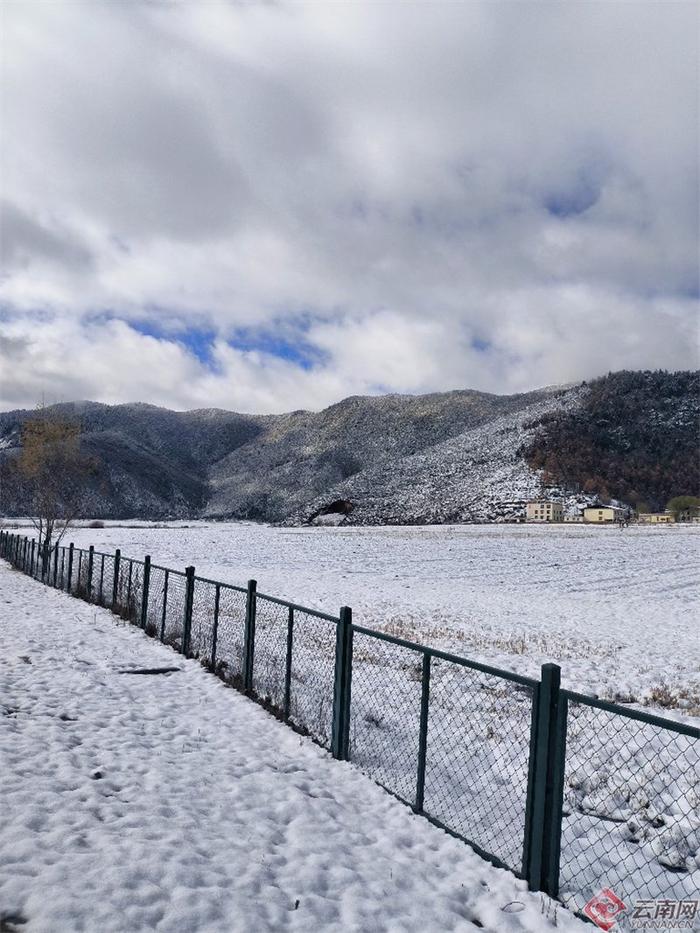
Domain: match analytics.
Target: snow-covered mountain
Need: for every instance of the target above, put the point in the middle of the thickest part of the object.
(456, 456)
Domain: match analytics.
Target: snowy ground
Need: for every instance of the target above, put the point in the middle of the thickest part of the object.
(616, 609)
(168, 802)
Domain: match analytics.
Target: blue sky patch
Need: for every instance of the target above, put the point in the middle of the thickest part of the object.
(290, 346)
(199, 341)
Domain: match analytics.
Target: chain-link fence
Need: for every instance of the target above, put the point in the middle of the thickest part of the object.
(157, 602)
(173, 626)
(128, 589)
(270, 657)
(229, 648)
(572, 793)
(103, 586)
(449, 738)
(385, 712)
(311, 672)
(631, 805)
(203, 619)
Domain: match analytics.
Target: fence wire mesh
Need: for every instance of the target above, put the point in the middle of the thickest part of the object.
(44, 570)
(270, 657)
(478, 751)
(61, 581)
(102, 579)
(175, 609)
(105, 584)
(385, 712)
(312, 675)
(202, 629)
(157, 601)
(228, 661)
(82, 575)
(129, 589)
(73, 582)
(631, 815)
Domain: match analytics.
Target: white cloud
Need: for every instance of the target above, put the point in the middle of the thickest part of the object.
(432, 195)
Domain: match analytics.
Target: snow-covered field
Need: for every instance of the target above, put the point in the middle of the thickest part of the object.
(618, 610)
(168, 802)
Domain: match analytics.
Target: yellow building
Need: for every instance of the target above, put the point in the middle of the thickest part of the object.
(544, 512)
(602, 514)
(656, 518)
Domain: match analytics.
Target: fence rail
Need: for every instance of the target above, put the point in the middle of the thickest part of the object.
(572, 793)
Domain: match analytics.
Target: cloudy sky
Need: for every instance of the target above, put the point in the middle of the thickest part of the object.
(272, 206)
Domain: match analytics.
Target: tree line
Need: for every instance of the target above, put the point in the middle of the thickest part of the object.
(635, 438)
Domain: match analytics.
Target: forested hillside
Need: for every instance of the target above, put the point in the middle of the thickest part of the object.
(636, 437)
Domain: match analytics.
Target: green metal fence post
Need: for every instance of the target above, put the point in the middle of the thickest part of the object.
(546, 785)
(70, 566)
(340, 734)
(555, 799)
(423, 732)
(144, 590)
(91, 567)
(189, 602)
(249, 635)
(115, 582)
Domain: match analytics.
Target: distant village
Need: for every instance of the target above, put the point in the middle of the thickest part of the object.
(547, 510)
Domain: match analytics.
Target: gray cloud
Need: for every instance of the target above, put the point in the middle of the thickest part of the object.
(486, 195)
(24, 241)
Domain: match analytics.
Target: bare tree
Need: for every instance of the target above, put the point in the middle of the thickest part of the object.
(55, 472)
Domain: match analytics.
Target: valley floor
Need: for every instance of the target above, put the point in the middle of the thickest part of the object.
(169, 802)
(618, 610)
